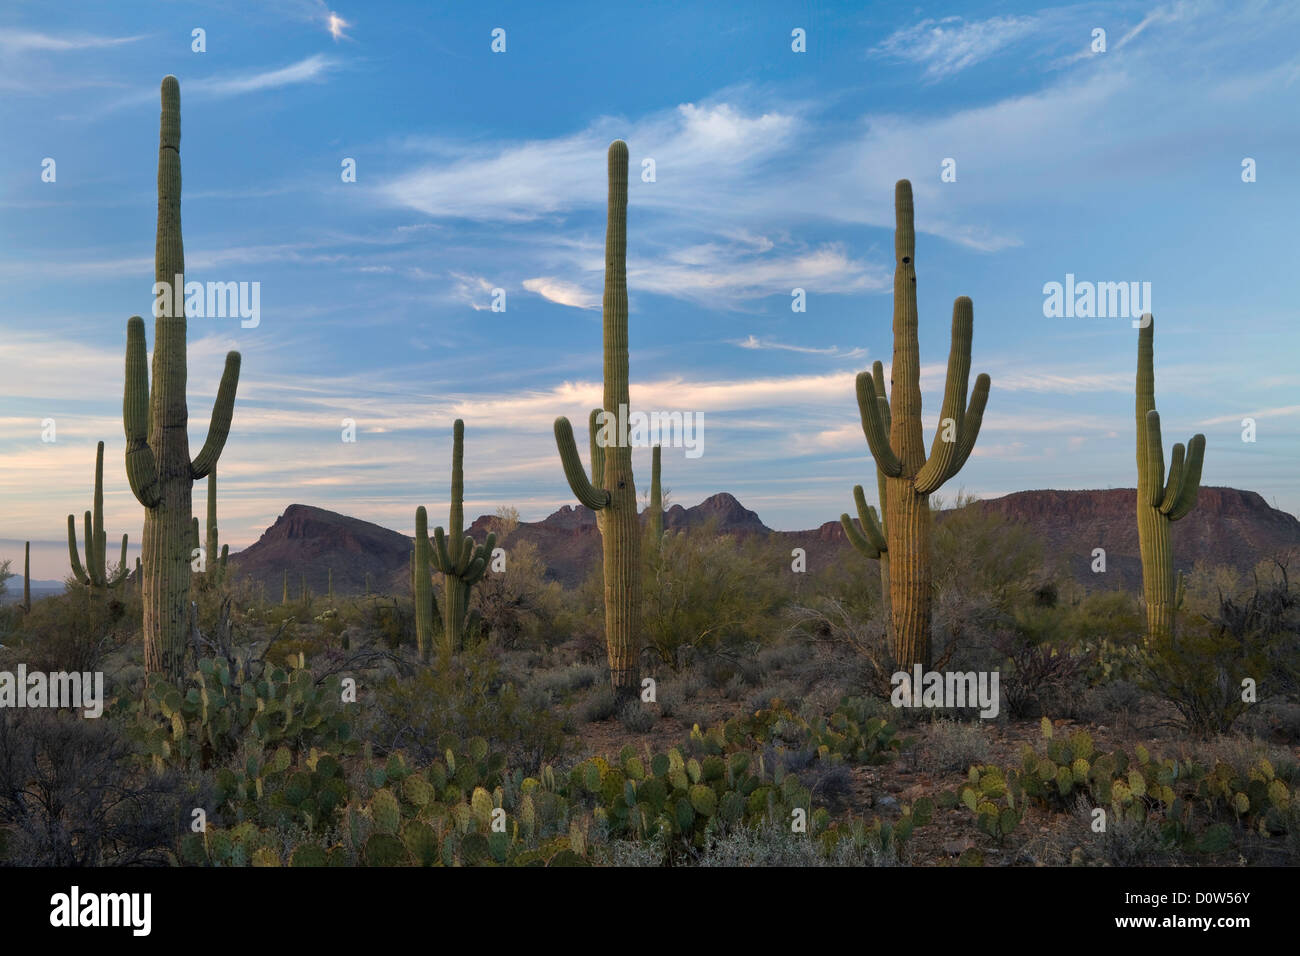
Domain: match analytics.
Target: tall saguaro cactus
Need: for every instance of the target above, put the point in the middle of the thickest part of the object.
(899, 447)
(27, 577)
(155, 418)
(95, 573)
(611, 491)
(1160, 499)
(454, 553)
(872, 540)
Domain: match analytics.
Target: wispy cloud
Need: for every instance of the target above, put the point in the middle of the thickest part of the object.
(563, 293)
(304, 71)
(757, 344)
(948, 46)
(1280, 411)
(26, 41)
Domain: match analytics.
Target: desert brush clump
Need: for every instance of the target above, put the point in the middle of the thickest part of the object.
(611, 491)
(95, 572)
(1161, 499)
(899, 448)
(155, 419)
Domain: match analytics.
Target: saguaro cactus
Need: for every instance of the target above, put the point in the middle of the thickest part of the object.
(27, 577)
(454, 553)
(95, 573)
(611, 491)
(899, 448)
(216, 567)
(872, 540)
(284, 596)
(156, 418)
(1160, 499)
(656, 509)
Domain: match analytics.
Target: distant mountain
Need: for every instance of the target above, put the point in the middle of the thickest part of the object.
(14, 589)
(1236, 528)
(312, 541)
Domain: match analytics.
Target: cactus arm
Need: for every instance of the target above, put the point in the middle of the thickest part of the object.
(141, 468)
(1153, 480)
(970, 426)
(1190, 486)
(856, 539)
(78, 571)
(593, 497)
(440, 559)
(872, 543)
(1174, 481)
(597, 449)
(222, 411)
(874, 427)
(938, 467)
(467, 555)
(878, 380)
(870, 523)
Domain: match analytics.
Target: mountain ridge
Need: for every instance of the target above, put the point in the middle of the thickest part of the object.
(1232, 526)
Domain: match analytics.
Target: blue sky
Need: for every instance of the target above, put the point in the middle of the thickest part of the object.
(774, 170)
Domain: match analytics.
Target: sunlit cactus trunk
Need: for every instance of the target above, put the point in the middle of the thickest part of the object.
(1160, 500)
(897, 443)
(614, 497)
(155, 418)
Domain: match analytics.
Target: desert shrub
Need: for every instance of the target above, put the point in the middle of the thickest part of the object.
(467, 697)
(600, 705)
(221, 712)
(1039, 673)
(1203, 671)
(518, 606)
(636, 717)
(955, 746)
(76, 630)
(68, 795)
(703, 589)
(979, 552)
(554, 685)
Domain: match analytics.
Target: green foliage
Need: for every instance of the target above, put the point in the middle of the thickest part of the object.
(705, 588)
(1192, 807)
(215, 716)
